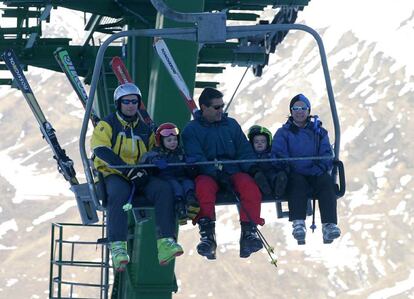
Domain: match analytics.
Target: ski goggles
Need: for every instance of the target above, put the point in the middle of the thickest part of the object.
(168, 132)
(298, 108)
(126, 101)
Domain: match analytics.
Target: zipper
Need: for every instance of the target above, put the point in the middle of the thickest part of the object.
(120, 145)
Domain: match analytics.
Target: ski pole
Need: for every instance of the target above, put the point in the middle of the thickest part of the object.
(313, 226)
(269, 249)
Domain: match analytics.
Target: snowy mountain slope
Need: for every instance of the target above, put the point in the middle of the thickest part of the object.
(368, 46)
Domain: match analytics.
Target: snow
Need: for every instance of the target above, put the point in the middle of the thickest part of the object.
(11, 282)
(6, 226)
(351, 132)
(388, 137)
(28, 182)
(404, 180)
(370, 21)
(398, 288)
(52, 214)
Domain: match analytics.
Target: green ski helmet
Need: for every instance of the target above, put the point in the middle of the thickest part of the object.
(124, 90)
(259, 130)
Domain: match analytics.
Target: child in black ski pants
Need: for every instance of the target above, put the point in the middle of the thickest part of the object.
(276, 179)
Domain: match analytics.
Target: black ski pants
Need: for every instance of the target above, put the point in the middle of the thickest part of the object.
(301, 187)
(156, 192)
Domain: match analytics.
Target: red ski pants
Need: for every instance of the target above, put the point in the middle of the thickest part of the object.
(206, 190)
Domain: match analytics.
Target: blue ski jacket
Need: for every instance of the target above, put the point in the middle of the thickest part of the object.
(223, 140)
(310, 141)
(168, 156)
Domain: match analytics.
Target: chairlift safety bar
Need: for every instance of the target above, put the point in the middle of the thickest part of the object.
(218, 162)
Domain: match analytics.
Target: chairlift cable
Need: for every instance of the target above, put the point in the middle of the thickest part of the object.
(237, 87)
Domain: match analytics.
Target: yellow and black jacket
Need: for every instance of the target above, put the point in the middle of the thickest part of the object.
(117, 142)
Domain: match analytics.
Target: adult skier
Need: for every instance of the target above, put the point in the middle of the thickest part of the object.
(302, 137)
(122, 138)
(212, 135)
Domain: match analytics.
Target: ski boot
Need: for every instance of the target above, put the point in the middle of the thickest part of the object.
(168, 249)
(299, 231)
(279, 184)
(119, 254)
(181, 211)
(330, 232)
(207, 246)
(249, 240)
(193, 207)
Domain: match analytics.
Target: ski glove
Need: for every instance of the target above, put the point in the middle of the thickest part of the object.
(160, 163)
(224, 181)
(190, 160)
(138, 176)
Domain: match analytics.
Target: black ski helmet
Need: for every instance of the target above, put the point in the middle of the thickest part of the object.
(259, 130)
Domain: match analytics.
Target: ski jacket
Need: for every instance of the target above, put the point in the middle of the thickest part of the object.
(223, 140)
(168, 156)
(266, 166)
(292, 141)
(117, 142)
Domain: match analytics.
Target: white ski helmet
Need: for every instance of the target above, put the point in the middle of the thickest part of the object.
(124, 90)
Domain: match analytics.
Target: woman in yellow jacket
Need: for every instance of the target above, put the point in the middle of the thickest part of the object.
(121, 139)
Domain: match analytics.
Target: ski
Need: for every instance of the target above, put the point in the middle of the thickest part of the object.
(122, 74)
(162, 50)
(65, 164)
(63, 59)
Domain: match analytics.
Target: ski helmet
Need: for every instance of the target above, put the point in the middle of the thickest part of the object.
(259, 130)
(165, 130)
(124, 90)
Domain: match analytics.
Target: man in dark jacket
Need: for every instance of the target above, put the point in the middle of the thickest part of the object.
(301, 137)
(212, 135)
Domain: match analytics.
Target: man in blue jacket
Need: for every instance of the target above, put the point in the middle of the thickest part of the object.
(212, 135)
(301, 137)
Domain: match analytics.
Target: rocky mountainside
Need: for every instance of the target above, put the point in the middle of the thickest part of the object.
(372, 74)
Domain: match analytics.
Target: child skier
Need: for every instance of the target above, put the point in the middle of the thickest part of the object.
(168, 150)
(261, 141)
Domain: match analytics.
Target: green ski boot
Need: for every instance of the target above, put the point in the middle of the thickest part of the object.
(120, 256)
(168, 249)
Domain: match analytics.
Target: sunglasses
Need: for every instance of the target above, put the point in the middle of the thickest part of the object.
(218, 107)
(168, 132)
(298, 108)
(126, 102)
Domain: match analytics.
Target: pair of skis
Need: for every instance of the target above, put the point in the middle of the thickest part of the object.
(65, 164)
(123, 76)
(163, 52)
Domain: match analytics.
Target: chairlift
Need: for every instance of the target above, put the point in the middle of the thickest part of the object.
(211, 29)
